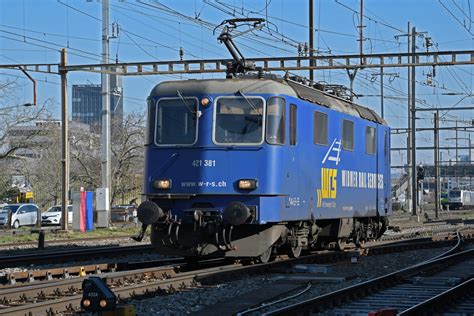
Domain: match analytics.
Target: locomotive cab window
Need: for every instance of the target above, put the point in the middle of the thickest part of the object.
(275, 124)
(238, 120)
(176, 121)
(320, 128)
(347, 135)
(293, 129)
(370, 139)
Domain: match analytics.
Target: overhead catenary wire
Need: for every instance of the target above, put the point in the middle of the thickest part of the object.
(198, 22)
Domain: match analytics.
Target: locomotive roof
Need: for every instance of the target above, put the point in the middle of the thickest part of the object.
(265, 86)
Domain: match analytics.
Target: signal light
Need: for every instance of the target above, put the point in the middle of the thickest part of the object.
(162, 184)
(96, 296)
(247, 184)
(420, 173)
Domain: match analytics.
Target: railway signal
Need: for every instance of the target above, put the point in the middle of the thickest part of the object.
(420, 173)
(96, 296)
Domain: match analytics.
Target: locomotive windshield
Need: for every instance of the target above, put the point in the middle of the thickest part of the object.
(176, 121)
(239, 120)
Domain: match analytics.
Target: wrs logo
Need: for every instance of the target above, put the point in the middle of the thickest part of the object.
(328, 188)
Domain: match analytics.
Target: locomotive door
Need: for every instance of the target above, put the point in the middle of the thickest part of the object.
(377, 161)
(386, 172)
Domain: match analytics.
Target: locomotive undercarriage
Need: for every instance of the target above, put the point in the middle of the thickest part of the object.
(233, 235)
(338, 232)
(214, 239)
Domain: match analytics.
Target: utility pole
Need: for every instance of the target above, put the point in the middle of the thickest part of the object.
(103, 214)
(361, 32)
(469, 154)
(65, 144)
(413, 123)
(436, 161)
(381, 92)
(311, 38)
(382, 74)
(410, 194)
(353, 74)
(456, 136)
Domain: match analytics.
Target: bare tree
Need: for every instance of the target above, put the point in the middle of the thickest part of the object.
(18, 134)
(44, 172)
(127, 156)
(85, 159)
(12, 116)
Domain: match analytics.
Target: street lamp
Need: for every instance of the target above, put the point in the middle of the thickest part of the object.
(17, 106)
(14, 107)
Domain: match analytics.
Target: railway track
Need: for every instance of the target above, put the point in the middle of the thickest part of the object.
(47, 256)
(37, 275)
(64, 295)
(19, 277)
(63, 241)
(422, 288)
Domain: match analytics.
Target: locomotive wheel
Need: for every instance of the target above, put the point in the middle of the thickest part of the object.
(266, 255)
(294, 252)
(341, 243)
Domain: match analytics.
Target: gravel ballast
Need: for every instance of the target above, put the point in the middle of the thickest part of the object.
(200, 298)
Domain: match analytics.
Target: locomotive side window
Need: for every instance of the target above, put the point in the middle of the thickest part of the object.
(320, 128)
(293, 133)
(176, 121)
(370, 140)
(150, 122)
(347, 135)
(276, 121)
(238, 120)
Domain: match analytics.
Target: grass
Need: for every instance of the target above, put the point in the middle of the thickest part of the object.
(24, 235)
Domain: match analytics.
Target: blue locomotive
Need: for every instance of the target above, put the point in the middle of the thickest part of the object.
(238, 167)
(252, 165)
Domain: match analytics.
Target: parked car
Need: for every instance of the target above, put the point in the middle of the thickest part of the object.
(54, 214)
(21, 214)
(122, 213)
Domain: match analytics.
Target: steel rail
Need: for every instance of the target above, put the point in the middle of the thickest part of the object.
(72, 286)
(337, 297)
(62, 241)
(438, 303)
(64, 295)
(70, 254)
(17, 278)
(168, 281)
(372, 248)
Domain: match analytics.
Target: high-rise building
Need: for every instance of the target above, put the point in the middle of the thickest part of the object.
(87, 102)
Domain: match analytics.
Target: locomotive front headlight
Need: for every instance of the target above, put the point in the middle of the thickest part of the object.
(162, 184)
(247, 184)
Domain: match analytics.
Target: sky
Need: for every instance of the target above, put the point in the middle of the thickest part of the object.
(34, 31)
